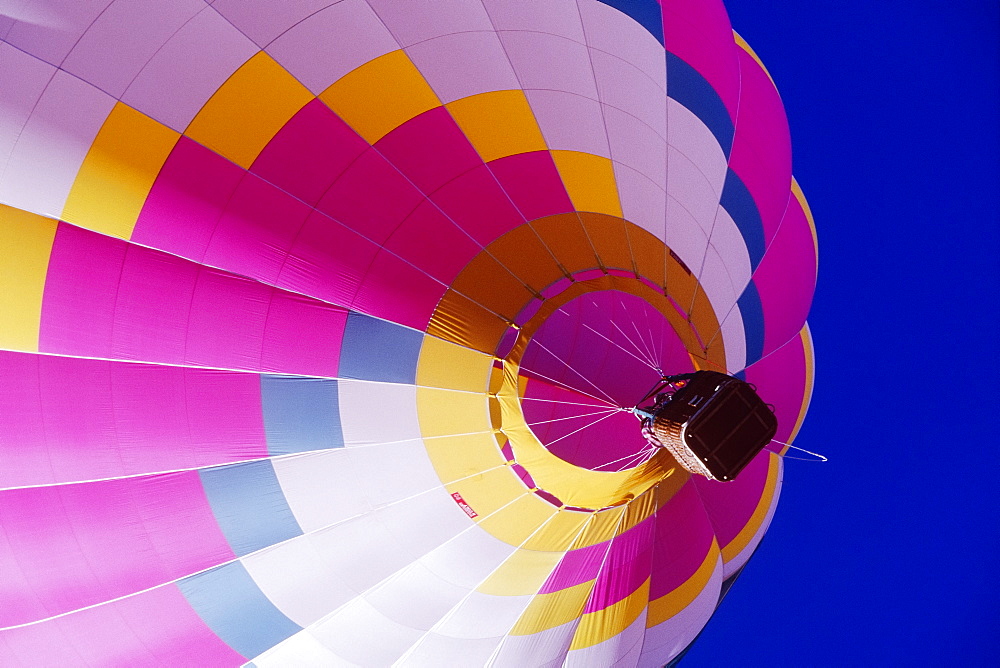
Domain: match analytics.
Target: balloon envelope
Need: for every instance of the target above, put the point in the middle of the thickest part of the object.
(320, 319)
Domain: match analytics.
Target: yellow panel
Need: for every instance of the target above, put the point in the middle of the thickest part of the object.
(590, 181)
(380, 95)
(520, 520)
(444, 364)
(457, 457)
(118, 172)
(25, 246)
(670, 604)
(743, 538)
(498, 124)
(489, 491)
(522, 574)
(248, 110)
(596, 627)
(547, 611)
(604, 526)
(805, 335)
(448, 412)
(560, 532)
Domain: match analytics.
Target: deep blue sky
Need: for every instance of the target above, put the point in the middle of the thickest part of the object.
(887, 555)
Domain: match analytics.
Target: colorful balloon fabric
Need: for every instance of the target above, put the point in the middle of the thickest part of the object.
(318, 319)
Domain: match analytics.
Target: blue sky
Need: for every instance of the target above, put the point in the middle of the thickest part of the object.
(886, 555)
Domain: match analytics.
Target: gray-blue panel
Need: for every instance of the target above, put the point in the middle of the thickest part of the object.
(739, 203)
(233, 606)
(300, 414)
(753, 322)
(687, 86)
(249, 505)
(645, 12)
(378, 350)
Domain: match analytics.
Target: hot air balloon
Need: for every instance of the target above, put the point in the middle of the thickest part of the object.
(323, 323)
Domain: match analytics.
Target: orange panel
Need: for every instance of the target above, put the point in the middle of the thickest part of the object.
(524, 254)
(486, 282)
(648, 252)
(566, 238)
(459, 320)
(607, 234)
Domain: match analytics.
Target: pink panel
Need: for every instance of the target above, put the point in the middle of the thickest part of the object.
(225, 327)
(625, 568)
(682, 539)
(80, 287)
(577, 566)
(371, 197)
(532, 183)
(157, 627)
(786, 278)
(309, 153)
(186, 200)
(463, 64)
(396, 291)
(327, 261)
(429, 150)
(302, 336)
(731, 504)
(431, 242)
(780, 379)
(698, 32)
(762, 148)
(255, 232)
(77, 545)
(476, 203)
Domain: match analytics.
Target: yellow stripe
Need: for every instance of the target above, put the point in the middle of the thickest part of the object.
(590, 181)
(457, 457)
(498, 124)
(515, 523)
(380, 95)
(448, 412)
(800, 196)
(596, 627)
(25, 246)
(743, 538)
(118, 172)
(522, 574)
(547, 611)
(742, 43)
(668, 605)
(560, 532)
(248, 110)
(446, 365)
(807, 351)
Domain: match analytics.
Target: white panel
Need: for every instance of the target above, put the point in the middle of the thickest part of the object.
(548, 647)
(393, 471)
(555, 17)
(620, 650)
(691, 188)
(49, 29)
(550, 62)
(636, 145)
(415, 597)
(684, 235)
(615, 32)
(363, 426)
(483, 616)
(435, 651)
(570, 122)
(22, 80)
(624, 87)
(187, 71)
(424, 522)
(735, 339)
(714, 279)
(322, 488)
(263, 20)
(309, 54)
(643, 201)
(53, 144)
(728, 241)
(692, 138)
(469, 558)
(361, 634)
(298, 580)
(666, 640)
(302, 649)
(464, 64)
(418, 20)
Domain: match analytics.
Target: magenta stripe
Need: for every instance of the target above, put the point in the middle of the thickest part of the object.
(626, 567)
(786, 278)
(532, 182)
(731, 504)
(429, 149)
(76, 545)
(780, 379)
(576, 566)
(762, 149)
(186, 200)
(698, 31)
(398, 292)
(155, 628)
(433, 243)
(681, 540)
(477, 204)
(309, 152)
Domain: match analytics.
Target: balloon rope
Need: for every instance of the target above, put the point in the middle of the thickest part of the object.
(821, 458)
(570, 367)
(617, 345)
(535, 374)
(586, 426)
(574, 417)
